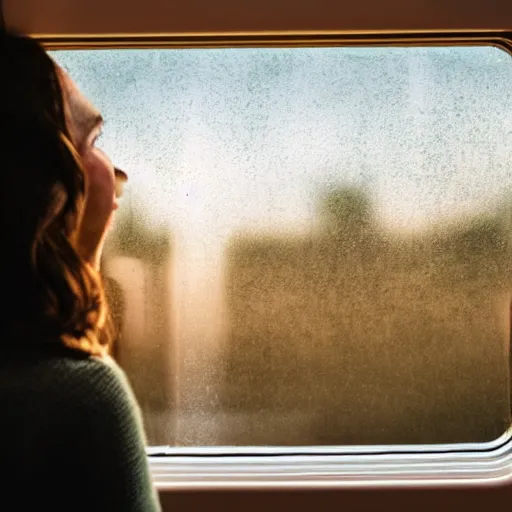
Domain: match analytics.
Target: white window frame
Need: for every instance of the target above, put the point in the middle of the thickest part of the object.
(264, 468)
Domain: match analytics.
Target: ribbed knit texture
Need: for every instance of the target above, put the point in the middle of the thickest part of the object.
(71, 435)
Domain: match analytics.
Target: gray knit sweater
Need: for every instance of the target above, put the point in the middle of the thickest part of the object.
(71, 435)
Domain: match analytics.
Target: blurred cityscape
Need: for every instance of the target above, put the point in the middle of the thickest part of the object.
(348, 335)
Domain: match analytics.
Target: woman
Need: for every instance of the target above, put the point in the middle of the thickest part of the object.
(70, 431)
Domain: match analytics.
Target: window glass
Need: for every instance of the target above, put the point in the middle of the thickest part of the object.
(314, 244)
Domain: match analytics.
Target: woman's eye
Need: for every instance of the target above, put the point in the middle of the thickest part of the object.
(97, 138)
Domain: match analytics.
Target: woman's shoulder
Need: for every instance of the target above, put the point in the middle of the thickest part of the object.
(80, 411)
(93, 382)
(100, 381)
(94, 397)
(67, 377)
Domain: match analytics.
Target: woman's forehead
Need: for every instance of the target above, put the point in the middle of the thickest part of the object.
(81, 115)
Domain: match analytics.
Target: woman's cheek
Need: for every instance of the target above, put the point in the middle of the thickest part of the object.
(100, 191)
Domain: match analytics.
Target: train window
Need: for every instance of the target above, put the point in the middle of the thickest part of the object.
(314, 244)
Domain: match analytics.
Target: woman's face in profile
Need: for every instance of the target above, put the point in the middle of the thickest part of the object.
(84, 123)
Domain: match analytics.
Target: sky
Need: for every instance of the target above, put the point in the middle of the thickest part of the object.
(223, 140)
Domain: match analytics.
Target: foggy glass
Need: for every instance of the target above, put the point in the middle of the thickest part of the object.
(314, 243)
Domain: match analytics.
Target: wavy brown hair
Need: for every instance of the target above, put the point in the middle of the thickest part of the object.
(51, 295)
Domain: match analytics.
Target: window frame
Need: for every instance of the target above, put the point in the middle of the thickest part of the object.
(461, 465)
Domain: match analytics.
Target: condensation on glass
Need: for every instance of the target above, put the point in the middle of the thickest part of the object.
(314, 246)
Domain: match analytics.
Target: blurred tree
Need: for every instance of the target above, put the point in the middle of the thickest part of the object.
(347, 209)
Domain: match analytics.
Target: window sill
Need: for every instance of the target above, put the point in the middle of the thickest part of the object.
(228, 468)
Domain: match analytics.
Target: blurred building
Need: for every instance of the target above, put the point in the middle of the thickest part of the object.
(352, 335)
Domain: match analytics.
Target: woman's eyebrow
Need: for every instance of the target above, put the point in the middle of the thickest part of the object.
(95, 121)
(89, 123)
